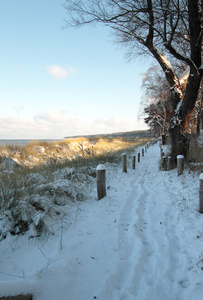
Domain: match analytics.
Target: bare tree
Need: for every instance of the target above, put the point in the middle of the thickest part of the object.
(165, 29)
(156, 100)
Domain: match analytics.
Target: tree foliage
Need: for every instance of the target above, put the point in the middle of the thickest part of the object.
(156, 100)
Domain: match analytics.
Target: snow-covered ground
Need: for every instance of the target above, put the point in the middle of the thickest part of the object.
(143, 241)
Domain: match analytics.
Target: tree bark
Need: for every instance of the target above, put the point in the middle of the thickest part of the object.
(179, 142)
(170, 76)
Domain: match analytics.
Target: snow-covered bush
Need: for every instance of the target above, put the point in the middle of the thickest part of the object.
(29, 202)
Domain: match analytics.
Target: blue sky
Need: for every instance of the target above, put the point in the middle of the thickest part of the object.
(58, 82)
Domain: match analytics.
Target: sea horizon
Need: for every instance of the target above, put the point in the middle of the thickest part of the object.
(23, 142)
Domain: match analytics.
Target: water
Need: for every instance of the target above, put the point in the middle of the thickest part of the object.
(23, 142)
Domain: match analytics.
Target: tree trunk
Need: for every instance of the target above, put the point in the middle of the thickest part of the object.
(181, 116)
(190, 98)
(179, 143)
(170, 76)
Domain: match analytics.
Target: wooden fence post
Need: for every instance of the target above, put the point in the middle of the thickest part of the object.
(169, 163)
(164, 163)
(145, 148)
(180, 164)
(101, 181)
(201, 193)
(124, 160)
(133, 161)
(138, 157)
(163, 166)
(142, 151)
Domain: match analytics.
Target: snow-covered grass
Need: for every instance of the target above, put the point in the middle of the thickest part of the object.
(31, 201)
(31, 196)
(32, 189)
(143, 241)
(38, 153)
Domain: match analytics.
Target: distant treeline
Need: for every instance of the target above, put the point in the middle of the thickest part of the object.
(131, 134)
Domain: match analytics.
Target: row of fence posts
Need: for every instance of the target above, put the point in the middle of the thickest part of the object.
(101, 171)
(166, 164)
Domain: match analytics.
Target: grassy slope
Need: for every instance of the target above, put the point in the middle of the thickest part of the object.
(68, 150)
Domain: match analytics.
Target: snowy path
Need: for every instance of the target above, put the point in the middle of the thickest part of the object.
(153, 256)
(143, 241)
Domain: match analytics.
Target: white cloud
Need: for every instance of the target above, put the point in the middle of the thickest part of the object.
(52, 117)
(61, 73)
(53, 124)
(111, 125)
(57, 72)
(47, 125)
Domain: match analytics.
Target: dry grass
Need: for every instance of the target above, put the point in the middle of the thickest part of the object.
(39, 153)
